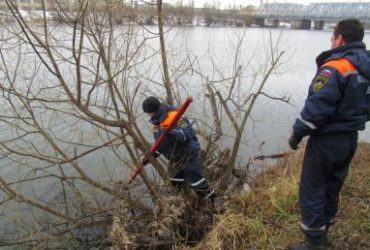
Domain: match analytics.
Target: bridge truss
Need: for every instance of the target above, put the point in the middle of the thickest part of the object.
(317, 11)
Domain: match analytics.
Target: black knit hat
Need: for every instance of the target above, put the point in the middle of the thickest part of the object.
(151, 104)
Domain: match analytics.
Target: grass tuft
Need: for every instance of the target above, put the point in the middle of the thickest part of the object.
(268, 217)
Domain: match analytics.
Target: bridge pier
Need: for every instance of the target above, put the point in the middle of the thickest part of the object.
(275, 23)
(304, 24)
(260, 21)
(318, 25)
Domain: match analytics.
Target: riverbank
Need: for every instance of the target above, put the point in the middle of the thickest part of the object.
(268, 217)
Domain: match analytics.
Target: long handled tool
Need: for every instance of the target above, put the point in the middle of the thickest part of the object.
(158, 142)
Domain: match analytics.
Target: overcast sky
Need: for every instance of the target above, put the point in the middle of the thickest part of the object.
(226, 3)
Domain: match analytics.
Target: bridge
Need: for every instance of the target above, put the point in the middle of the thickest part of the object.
(303, 16)
(294, 15)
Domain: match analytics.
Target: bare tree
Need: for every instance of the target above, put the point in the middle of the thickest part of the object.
(229, 96)
(167, 80)
(183, 11)
(71, 93)
(81, 75)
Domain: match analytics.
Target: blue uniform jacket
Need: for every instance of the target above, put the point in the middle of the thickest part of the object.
(339, 96)
(181, 142)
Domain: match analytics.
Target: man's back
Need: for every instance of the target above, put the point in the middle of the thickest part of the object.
(181, 141)
(339, 98)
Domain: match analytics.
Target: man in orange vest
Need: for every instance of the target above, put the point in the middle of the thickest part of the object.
(181, 148)
(336, 108)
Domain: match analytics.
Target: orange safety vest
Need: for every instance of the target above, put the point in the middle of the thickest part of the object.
(343, 65)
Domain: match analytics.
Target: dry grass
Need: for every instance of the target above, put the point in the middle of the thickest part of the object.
(268, 217)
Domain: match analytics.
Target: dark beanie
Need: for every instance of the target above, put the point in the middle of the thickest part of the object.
(151, 104)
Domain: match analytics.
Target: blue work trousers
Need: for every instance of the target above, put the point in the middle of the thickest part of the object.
(189, 168)
(325, 166)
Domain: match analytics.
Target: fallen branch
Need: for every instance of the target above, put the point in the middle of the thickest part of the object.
(273, 156)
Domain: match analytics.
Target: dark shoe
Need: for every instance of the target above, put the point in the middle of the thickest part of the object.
(305, 246)
(329, 224)
(215, 202)
(318, 243)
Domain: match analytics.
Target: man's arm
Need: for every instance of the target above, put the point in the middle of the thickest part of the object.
(182, 131)
(146, 160)
(321, 104)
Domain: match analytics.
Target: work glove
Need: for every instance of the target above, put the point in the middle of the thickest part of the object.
(146, 159)
(294, 141)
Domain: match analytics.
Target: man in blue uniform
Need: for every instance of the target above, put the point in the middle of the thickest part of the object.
(336, 108)
(181, 148)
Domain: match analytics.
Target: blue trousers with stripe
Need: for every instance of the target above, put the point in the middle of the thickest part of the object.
(325, 166)
(189, 169)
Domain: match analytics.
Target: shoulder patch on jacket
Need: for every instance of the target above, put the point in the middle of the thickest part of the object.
(155, 129)
(181, 123)
(321, 79)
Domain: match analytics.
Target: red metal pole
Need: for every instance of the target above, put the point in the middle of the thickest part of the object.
(158, 142)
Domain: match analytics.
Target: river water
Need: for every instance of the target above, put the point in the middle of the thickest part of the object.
(214, 48)
(272, 119)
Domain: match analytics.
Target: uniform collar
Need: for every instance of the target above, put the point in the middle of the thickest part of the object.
(338, 52)
(161, 114)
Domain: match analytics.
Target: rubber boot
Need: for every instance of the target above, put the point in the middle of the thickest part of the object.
(213, 199)
(311, 243)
